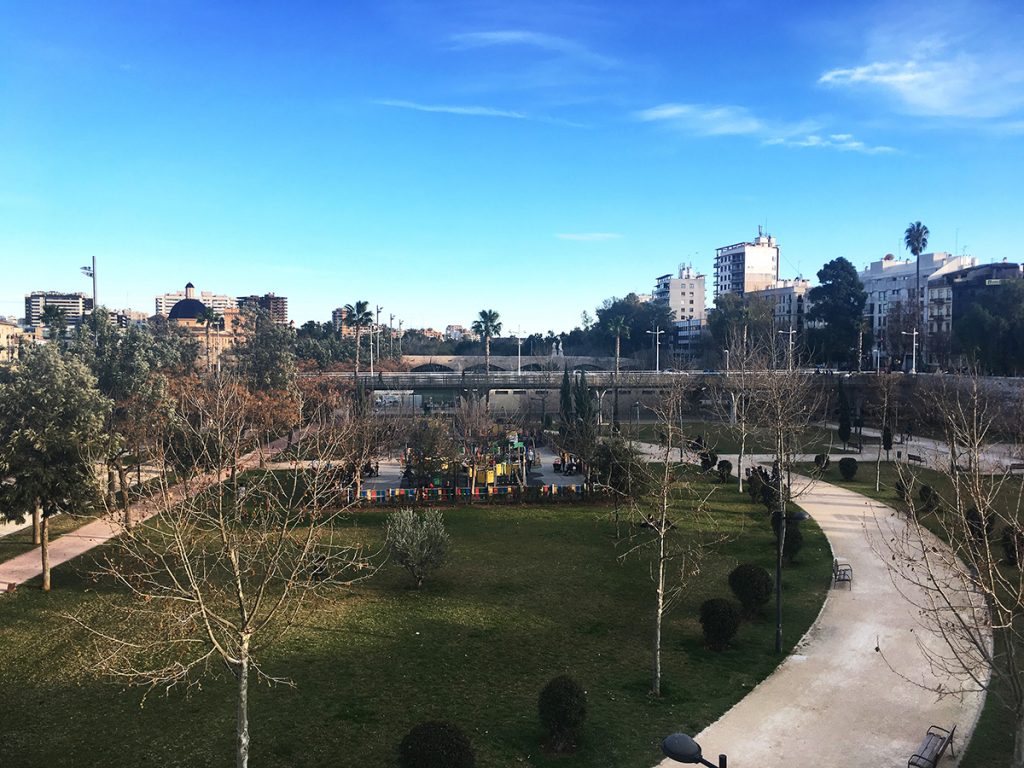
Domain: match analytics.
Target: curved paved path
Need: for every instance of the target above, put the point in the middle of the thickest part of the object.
(834, 701)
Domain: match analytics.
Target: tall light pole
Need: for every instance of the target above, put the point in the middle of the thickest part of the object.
(91, 272)
(519, 352)
(391, 335)
(656, 333)
(790, 332)
(913, 358)
(726, 361)
(377, 329)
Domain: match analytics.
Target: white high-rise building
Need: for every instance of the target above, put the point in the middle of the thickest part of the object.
(684, 295)
(745, 267)
(216, 302)
(890, 280)
(788, 300)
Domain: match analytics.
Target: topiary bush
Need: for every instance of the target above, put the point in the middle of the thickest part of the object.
(979, 527)
(436, 744)
(562, 707)
(724, 470)
(794, 542)
(752, 586)
(1013, 545)
(754, 485)
(708, 459)
(821, 461)
(848, 467)
(929, 498)
(720, 619)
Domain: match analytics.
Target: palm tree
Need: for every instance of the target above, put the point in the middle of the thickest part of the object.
(487, 325)
(916, 240)
(619, 328)
(358, 315)
(207, 316)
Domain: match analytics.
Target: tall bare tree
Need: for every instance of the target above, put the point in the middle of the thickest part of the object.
(230, 558)
(967, 584)
(675, 558)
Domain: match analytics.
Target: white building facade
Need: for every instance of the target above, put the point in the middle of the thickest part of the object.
(215, 301)
(745, 267)
(684, 295)
(789, 303)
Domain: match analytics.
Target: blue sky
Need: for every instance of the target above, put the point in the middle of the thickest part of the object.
(438, 158)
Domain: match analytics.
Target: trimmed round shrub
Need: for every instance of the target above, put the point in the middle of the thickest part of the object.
(848, 467)
(821, 461)
(720, 619)
(903, 491)
(436, 744)
(754, 485)
(752, 586)
(1013, 545)
(794, 542)
(929, 498)
(708, 459)
(724, 470)
(562, 707)
(979, 527)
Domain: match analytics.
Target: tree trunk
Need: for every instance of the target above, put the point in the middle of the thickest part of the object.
(658, 613)
(45, 550)
(242, 721)
(1018, 743)
(122, 476)
(37, 514)
(358, 335)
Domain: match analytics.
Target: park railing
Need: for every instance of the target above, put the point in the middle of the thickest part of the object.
(490, 494)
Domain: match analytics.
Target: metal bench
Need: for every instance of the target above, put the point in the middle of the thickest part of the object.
(841, 571)
(931, 749)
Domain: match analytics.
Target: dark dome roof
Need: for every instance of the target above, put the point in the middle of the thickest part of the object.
(187, 309)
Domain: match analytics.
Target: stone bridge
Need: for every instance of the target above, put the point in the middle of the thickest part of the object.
(512, 363)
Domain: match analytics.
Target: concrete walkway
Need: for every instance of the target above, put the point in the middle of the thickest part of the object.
(28, 565)
(834, 700)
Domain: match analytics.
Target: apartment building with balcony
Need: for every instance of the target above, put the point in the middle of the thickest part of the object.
(745, 267)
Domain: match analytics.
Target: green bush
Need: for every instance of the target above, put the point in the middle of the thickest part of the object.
(724, 470)
(752, 586)
(562, 707)
(708, 459)
(821, 461)
(417, 542)
(755, 483)
(720, 619)
(929, 498)
(979, 527)
(1013, 545)
(848, 467)
(794, 542)
(436, 744)
(903, 491)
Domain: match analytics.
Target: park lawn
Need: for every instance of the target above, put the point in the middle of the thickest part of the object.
(530, 593)
(19, 542)
(992, 743)
(722, 438)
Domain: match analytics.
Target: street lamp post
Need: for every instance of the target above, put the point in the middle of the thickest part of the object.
(726, 361)
(913, 359)
(656, 333)
(683, 749)
(91, 272)
(519, 351)
(790, 333)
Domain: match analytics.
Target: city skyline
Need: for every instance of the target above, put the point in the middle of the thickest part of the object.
(437, 160)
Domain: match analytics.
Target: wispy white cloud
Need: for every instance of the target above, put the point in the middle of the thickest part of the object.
(472, 110)
(546, 42)
(588, 236)
(844, 142)
(731, 120)
(962, 60)
(705, 120)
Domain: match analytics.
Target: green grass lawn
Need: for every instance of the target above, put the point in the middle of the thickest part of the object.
(992, 743)
(530, 593)
(722, 437)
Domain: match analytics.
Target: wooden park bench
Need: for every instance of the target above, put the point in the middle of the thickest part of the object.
(931, 749)
(915, 457)
(1014, 467)
(841, 571)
